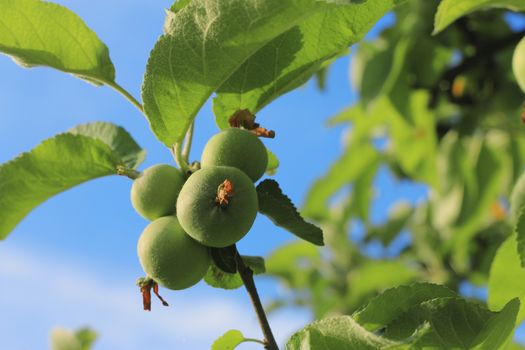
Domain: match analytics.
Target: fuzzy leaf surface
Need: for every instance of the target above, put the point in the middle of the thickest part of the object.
(117, 138)
(40, 33)
(204, 43)
(457, 323)
(289, 60)
(338, 333)
(389, 305)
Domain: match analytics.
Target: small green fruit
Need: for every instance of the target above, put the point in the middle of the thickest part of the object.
(236, 148)
(171, 257)
(518, 63)
(154, 193)
(217, 206)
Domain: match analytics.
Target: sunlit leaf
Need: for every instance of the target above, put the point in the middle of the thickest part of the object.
(40, 33)
(273, 163)
(451, 10)
(375, 276)
(203, 45)
(60, 163)
(507, 277)
(229, 340)
(292, 58)
(453, 322)
(338, 333)
(517, 197)
(391, 304)
(117, 138)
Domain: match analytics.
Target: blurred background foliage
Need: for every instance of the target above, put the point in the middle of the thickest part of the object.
(440, 110)
(65, 339)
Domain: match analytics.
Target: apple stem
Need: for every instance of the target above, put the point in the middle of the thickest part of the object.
(247, 278)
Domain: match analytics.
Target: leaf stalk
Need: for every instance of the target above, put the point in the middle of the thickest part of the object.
(176, 150)
(126, 94)
(187, 145)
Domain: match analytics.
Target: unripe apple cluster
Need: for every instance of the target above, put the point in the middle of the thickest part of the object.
(214, 207)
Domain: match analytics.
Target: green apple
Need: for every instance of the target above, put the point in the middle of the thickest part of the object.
(154, 193)
(214, 214)
(237, 148)
(171, 257)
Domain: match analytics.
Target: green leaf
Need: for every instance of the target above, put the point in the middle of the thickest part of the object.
(273, 163)
(518, 63)
(64, 339)
(507, 278)
(293, 262)
(278, 207)
(457, 323)
(203, 45)
(286, 257)
(378, 68)
(179, 5)
(360, 158)
(218, 278)
(117, 138)
(39, 33)
(483, 177)
(514, 346)
(338, 333)
(517, 197)
(231, 339)
(375, 276)
(448, 199)
(392, 303)
(56, 165)
(432, 316)
(398, 218)
(519, 230)
(414, 140)
(292, 58)
(369, 67)
(224, 258)
(499, 328)
(451, 10)
(86, 337)
(228, 341)
(255, 263)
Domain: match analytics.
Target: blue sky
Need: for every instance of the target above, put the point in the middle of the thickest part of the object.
(73, 262)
